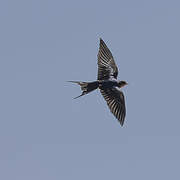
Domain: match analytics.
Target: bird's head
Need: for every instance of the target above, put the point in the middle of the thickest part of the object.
(122, 84)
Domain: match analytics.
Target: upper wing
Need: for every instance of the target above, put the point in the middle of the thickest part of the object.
(106, 65)
(115, 100)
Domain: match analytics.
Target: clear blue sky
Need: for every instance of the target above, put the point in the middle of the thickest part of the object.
(45, 134)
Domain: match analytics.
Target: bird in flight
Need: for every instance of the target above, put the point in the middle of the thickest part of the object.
(107, 83)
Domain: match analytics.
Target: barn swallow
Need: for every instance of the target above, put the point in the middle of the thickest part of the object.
(107, 83)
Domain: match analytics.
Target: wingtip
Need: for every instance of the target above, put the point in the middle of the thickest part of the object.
(102, 43)
(121, 123)
(101, 40)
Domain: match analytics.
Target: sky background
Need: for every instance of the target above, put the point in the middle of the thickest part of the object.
(45, 134)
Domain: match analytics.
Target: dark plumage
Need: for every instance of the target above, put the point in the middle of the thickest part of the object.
(107, 83)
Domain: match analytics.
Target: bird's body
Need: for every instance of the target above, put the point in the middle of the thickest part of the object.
(107, 83)
(104, 84)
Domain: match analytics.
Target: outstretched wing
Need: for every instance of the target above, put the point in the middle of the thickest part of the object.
(106, 65)
(115, 100)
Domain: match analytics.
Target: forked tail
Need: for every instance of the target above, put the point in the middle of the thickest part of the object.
(86, 87)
